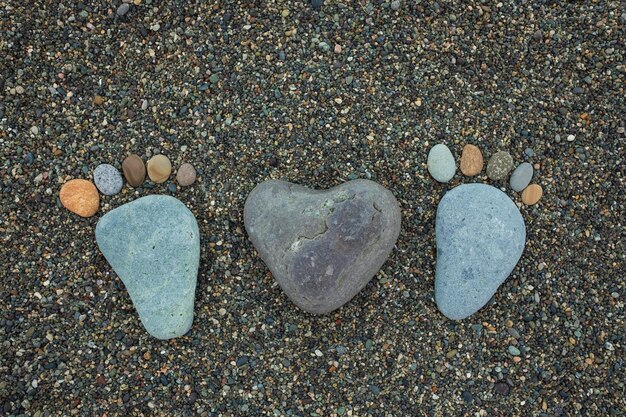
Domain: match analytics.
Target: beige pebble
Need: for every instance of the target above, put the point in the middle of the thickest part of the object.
(532, 194)
(471, 160)
(159, 168)
(186, 175)
(98, 100)
(80, 197)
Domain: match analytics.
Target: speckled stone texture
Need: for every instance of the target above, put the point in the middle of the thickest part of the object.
(322, 247)
(153, 244)
(480, 237)
(108, 179)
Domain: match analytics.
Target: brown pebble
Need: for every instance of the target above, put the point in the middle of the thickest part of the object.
(98, 100)
(532, 194)
(134, 170)
(159, 168)
(471, 160)
(80, 197)
(186, 175)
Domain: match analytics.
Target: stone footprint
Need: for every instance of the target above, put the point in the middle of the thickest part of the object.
(480, 238)
(153, 244)
(322, 247)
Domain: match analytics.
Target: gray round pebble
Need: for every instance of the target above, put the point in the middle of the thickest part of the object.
(108, 179)
(521, 177)
(441, 163)
(123, 9)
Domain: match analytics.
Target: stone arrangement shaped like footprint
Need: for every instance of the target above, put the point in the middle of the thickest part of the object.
(322, 246)
(479, 230)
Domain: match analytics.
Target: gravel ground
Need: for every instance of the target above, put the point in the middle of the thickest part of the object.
(251, 90)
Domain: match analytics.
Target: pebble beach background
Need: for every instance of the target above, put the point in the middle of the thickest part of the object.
(252, 90)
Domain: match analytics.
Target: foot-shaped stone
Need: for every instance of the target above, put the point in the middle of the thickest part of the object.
(153, 244)
(480, 237)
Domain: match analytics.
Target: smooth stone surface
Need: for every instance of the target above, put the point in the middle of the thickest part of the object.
(322, 247)
(471, 160)
(159, 168)
(80, 197)
(480, 237)
(441, 163)
(134, 170)
(520, 178)
(499, 165)
(123, 9)
(186, 175)
(532, 194)
(108, 179)
(153, 245)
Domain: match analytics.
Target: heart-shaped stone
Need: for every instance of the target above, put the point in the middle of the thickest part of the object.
(480, 237)
(153, 244)
(322, 247)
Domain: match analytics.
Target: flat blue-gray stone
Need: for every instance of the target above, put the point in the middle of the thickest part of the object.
(153, 244)
(520, 178)
(322, 247)
(480, 237)
(441, 164)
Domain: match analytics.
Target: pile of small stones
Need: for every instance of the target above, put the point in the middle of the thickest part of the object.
(81, 196)
(442, 168)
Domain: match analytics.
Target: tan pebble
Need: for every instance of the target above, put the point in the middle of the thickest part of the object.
(80, 197)
(471, 160)
(134, 170)
(532, 194)
(159, 168)
(98, 100)
(186, 175)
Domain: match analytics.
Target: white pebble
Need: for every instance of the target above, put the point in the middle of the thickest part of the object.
(318, 353)
(570, 138)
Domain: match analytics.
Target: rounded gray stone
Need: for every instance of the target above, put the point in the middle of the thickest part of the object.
(441, 164)
(153, 245)
(521, 177)
(480, 237)
(322, 247)
(123, 9)
(499, 165)
(108, 179)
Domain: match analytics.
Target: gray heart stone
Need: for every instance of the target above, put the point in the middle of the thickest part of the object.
(322, 247)
(153, 244)
(480, 237)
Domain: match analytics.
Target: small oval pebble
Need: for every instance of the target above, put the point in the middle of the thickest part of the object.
(441, 163)
(532, 194)
(107, 179)
(520, 178)
(134, 170)
(159, 168)
(471, 160)
(186, 175)
(123, 9)
(499, 165)
(80, 197)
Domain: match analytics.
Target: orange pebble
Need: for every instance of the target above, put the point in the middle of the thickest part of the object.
(80, 197)
(532, 194)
